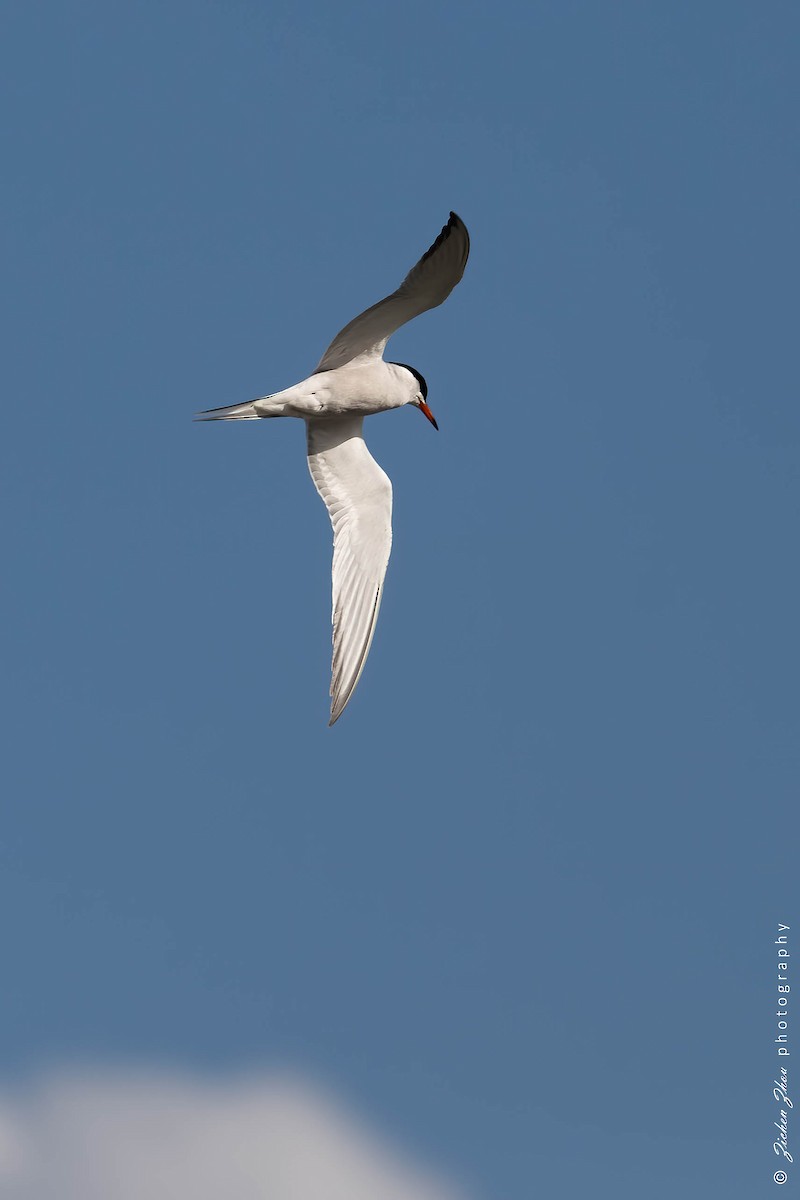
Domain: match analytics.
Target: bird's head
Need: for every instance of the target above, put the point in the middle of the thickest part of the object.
(419, 392)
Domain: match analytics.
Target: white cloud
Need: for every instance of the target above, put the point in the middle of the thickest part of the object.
(158, 1136)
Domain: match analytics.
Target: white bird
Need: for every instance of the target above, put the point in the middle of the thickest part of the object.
(353, 381)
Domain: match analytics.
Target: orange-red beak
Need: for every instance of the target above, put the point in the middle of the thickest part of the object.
(423, 408)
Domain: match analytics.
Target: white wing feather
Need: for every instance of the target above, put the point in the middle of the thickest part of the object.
(358, 496)
(427, 285)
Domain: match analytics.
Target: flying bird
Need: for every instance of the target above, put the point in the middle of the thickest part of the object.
(353, 381)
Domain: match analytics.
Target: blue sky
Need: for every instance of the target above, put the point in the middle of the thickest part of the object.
(519, 904)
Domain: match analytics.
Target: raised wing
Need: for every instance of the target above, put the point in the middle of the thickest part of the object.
(358, 496)
(425, 286)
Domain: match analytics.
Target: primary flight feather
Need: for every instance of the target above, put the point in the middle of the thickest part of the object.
(352, 381)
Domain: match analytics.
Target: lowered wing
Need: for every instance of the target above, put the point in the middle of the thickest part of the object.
(358, 496)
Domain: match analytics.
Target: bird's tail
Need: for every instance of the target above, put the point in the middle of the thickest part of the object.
(234, 412)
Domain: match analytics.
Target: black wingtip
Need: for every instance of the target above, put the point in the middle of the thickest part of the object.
(454, 222)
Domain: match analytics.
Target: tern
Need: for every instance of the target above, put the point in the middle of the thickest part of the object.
(353, 381)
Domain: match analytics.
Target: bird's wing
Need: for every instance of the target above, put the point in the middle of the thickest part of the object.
(358, 496)
(425, 286)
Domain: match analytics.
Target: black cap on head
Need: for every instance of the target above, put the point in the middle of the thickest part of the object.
(423, 387)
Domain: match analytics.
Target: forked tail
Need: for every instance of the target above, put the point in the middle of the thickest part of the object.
(234, 412)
